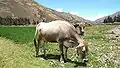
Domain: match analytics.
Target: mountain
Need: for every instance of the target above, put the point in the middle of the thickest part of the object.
(34, 11)
(100, 20)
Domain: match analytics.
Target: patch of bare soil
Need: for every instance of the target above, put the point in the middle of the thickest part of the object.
(114, 34)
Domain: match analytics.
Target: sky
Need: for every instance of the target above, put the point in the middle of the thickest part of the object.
(88, 9)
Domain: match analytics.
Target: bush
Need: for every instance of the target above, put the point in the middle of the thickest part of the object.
(14, 21)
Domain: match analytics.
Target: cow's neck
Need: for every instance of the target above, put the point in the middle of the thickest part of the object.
(79, 38)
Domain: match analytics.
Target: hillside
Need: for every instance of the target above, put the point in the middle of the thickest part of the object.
(100, 20)
(34, 11)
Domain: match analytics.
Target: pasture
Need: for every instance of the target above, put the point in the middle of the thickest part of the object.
(17, 50)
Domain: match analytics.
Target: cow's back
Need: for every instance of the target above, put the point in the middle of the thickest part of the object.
(55, 30)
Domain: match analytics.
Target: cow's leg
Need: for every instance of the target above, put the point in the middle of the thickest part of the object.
(37, 46)
(44, 49)
(62, 59)
(66, 49)
(37, 49)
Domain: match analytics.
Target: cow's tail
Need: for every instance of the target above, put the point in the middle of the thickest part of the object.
(35, 43)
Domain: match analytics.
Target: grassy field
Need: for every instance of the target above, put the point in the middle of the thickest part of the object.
(18, 34)
(17, 50)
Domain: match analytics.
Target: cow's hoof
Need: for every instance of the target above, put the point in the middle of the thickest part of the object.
(85, 60)
(62, 61)
(67, 60)
(42, 59)
(37, 56)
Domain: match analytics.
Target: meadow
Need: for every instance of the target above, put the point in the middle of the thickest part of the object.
(17, 49)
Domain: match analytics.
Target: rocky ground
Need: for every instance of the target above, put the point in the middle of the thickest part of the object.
(114, 33)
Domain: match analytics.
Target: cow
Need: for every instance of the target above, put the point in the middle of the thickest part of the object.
(79, 27)
(62, 32)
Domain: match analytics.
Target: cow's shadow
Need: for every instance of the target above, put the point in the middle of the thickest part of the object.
(50, 56)
(57, 57)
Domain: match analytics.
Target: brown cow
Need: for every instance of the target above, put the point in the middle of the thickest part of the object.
(62, 32)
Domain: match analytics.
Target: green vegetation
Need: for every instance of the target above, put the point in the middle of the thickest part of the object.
(103, 52)
(18, 34)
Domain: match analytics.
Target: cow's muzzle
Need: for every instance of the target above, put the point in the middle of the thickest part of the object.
(82, 33)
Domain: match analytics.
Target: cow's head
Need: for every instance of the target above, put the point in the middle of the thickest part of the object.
(80, 28)
(82, 51)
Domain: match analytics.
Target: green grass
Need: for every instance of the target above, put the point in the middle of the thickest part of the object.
(18, 34)
(103, 52)
(102, 49)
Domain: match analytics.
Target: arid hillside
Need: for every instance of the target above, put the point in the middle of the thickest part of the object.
(34, 11)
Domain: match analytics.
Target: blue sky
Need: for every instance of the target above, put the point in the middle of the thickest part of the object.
(88, 9)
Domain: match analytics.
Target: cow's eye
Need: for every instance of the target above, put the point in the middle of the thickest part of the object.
(83, 27)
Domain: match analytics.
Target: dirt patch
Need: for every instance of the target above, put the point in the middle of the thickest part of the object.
(115, 31)
(114, 34)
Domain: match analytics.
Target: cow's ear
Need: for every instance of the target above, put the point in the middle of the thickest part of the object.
(83, 48)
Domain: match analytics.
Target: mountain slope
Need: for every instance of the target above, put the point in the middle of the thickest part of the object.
(34, 11)
(100, 20)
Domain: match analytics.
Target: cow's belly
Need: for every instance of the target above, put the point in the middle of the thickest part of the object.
(50, 37)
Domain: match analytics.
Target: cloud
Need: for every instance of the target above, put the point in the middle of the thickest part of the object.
(87, 16)
(74, 13)
(100, 15)
(60, 9)
(94, 17)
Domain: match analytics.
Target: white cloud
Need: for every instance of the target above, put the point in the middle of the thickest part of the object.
(93, 17)
(74, 13)
(99, 16)
(60, 9)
